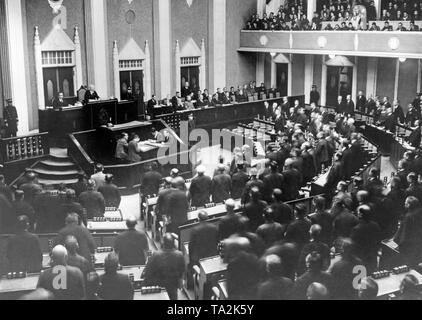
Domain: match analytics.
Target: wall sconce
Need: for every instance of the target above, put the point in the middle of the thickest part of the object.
(394, 43)
(322, 42)
(273, 54)
(332, 56)
(402, 59)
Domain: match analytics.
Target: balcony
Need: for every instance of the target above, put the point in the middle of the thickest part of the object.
(354, 43)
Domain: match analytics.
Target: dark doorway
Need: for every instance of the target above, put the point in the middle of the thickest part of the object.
(339, 83)
(134, 80)
(282, 78)
(191, 75)
(58, 80)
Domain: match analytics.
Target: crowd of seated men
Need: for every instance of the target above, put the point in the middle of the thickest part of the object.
(46, 209)
(340, 16)
(191, 98)
(401, 10)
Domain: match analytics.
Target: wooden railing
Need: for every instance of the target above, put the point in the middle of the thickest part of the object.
(79, 155)
(24, 148)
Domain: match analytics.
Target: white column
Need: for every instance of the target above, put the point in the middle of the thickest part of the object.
(324, 82)
(165, 47)
(371, 77)
(418, 87)
(309, 76)
(147, 73)
(99, 45)
(273, 73)
(219, 16)
(177, 63)
(396, 79)
(78, 59)
(38, 70)
(378, 8)
(18, 79)
(355, 79)
(290, 77)
(260, 68)
(116, 73)
(311, 9)
(203, 67)
(261, 7)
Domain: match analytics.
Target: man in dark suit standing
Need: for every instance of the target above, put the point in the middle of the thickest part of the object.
(221, 185)
(340, 106)
(200, 189)
(361, 102)
(314, 96)
(151, 104)
(24, 250)
(132, 245)
(203, 240)
(114, 285)
(239, 180)
(176, 102)
(166, 268)
(186, 90)
(91, 94)
(292, 181)
(10, 116)
(350, 106)
(371, 105)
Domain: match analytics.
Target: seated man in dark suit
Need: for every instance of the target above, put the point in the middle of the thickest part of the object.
(134, 149)
(132, 245)
(91, 94)
(114, 285)
(74, 259)
(58, 103)
(23, 249)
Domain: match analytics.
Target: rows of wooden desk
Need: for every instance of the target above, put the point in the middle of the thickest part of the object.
(15, 288)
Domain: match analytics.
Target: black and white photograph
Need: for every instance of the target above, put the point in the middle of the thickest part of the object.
(210, 155)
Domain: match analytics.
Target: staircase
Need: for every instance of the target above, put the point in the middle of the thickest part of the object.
(57, 169)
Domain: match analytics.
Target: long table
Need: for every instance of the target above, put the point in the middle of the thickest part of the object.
(221, 116)
(86, 117)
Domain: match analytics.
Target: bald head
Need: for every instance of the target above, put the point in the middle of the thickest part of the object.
(178, 183)
(59, 255)
(230, 205)
(168, 241)
(317, 291)
(315, 231)
(203, 216)
(71, 244)
(111, 263)
(131, 222)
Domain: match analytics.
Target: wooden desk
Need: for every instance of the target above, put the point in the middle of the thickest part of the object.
(211, 271)
(107, 226)
(81, 118)
(161, 296)
(392, 283)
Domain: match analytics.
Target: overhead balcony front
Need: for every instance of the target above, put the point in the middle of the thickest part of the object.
(352, 43)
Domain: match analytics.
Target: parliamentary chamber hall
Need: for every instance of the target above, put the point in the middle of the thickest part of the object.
(210, 150)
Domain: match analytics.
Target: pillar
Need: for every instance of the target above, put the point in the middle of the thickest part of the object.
(323, 83)
(99, 46)
(147, 73)
(355, 79)
(219, 43)
(177, 66)
(309, 76)
(78, 60)
(418, 87)
(260, 68)
(273, 73)
(261, 7)
(371, 77)
(202, 67)
(396, 79)
(116, 73)
(311, 9)
(164, 43)
(38, 70)
(18, 81)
